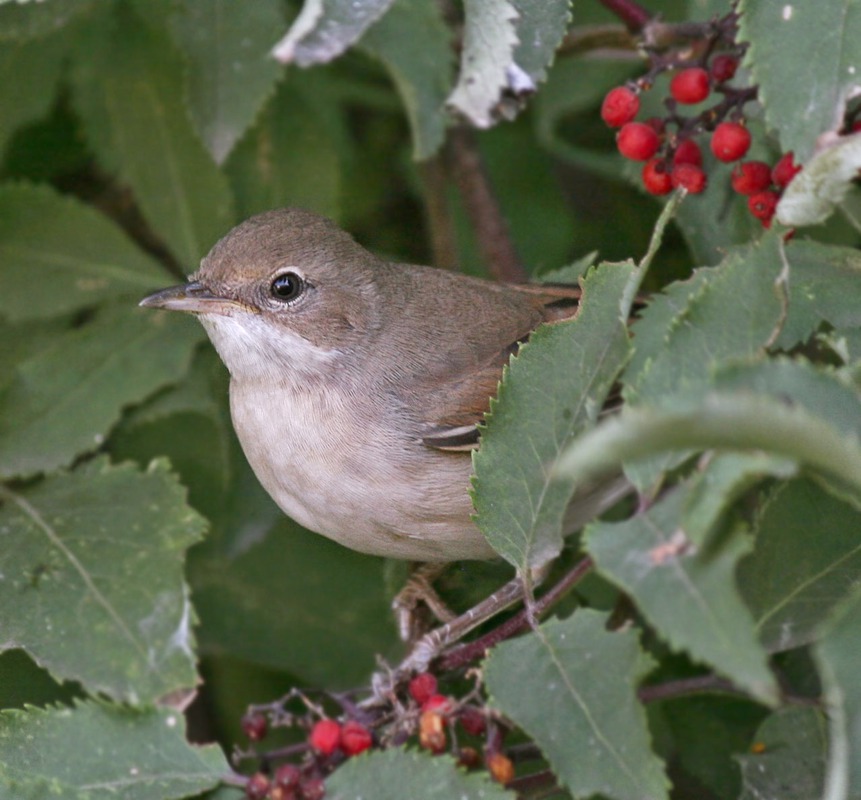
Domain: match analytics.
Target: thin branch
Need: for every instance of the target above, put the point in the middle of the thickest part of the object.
(491, 230)
(440, 223)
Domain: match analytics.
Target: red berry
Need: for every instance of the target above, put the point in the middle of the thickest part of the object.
(355, 738)
(690, 177)
(620, 106)
(785, 170)
(422, 687)
(656, 177)
(723, 67)
(254, 726)
(688, 152)
(730, 141)
(637, 141)
(257, 787)
(472, 720)
(751, 177)
(690, 85)
(313, 789)
(287, 777)
(763, 205)
(437, 702)
(325, 736)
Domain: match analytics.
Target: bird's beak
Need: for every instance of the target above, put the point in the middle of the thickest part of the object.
(193, 298)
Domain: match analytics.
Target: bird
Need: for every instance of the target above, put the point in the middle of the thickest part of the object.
(358, 385)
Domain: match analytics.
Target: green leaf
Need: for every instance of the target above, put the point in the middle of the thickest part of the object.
(127, 81)
(93, 589)
(230, 71)
(289, 157)
(540, 29)
(837, 658)
(688, 595)
(553, 389)
(803, 97)
(722, 420)
(791, 764)
(489, 40)
(326, 28)
(725, 479)
(64, 400)
(25, 683)
(23, 101)
(21, 341)
(823, 183)
(96, 751)
(586, 720)
(825, 282)
(396, 774)
(35, 19)
(48, 240)
(422, 75)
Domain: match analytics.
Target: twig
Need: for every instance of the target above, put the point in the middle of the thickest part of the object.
(491, 230)
(439, 219)
(632, 14)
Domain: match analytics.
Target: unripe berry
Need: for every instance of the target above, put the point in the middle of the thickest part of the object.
(355, 738)
(437, 702)
(763, 205)
(620, 106)
(690, 85)
(313, 789)
(656, 177)
(325, 736)
(688, 152)
(785, 170)
(751, 177)
(637, 141)
(500, 768)
(472, 720)
(257, 787)
(730, 141)
(254, 726)
(422, 687)
(287, 777)
(723, 67)
(432, 732)
(468, 757)
(690, 177)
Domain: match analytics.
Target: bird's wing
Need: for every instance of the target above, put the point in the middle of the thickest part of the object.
(454, 409)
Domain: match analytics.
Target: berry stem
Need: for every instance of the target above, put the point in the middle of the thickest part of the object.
(632, 14)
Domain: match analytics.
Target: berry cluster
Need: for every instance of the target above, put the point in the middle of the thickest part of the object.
(439, 722)
(670, 146)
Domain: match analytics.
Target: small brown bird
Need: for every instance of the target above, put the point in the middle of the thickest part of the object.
(356, 384)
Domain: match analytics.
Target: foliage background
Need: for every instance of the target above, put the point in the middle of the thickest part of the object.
(134, 134)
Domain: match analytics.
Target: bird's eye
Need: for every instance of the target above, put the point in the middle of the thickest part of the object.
(287, 286)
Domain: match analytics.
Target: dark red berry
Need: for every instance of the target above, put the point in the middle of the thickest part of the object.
(730, 141)
(656, 124)
(620, 106)
(751, 177)
(723, 67)
(257, 787)
(763, 205)
(785, 170)
(355, 738)
(690, 85)
(472, 720)
(254, 726)
(637, 141)
(422, 687)
(656, 177)
(313, 789)
(688, 152)
(437, 702)
(287, 777)
(690, 177)
(325, 736)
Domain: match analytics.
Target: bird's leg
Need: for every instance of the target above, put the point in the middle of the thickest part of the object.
(417, 591)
